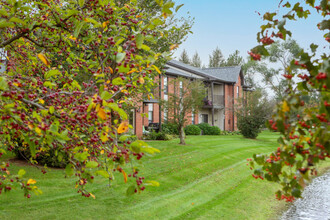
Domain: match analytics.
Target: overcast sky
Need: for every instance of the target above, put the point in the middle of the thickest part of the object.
(233, 24)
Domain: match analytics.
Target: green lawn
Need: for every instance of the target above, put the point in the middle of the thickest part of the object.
(206, 179)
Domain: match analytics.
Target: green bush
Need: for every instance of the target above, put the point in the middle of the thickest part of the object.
(249, 126)
(214, 130)
(158, 136)
(192, 130)
(51, 158)
(204, 127)
(208, 129)
(170, 128)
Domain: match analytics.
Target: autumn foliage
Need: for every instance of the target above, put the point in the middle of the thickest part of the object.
(304, 126)
(72, 70)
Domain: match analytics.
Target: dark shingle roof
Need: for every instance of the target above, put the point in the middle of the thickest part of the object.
(177, 72)
(226, 74)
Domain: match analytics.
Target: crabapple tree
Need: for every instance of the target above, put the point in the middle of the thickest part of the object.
(305, 137)
(72, 68)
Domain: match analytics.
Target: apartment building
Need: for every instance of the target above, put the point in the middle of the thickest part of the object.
(224, 85)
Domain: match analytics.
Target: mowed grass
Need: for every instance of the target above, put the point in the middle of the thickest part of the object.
(206, 179)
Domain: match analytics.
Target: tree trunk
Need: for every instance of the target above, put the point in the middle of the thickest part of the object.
(182, 135)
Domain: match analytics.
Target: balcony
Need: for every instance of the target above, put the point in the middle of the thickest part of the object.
(218, 102)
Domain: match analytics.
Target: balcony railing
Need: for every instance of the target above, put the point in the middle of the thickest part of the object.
(218, 101)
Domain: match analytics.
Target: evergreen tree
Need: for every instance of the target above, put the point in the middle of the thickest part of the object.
(196, 60)
(184, 58)
(216, 59)
(234, 59)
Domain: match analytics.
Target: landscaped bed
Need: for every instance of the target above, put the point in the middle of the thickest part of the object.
(206, 179)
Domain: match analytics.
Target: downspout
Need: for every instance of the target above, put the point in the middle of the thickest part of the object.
(212, 94)
(159, 106)
(233, 106)
(224, 106)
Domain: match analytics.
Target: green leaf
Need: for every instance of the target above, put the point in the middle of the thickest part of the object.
(51, 109)
(78, 29)
(81, 3)
(139, 41)
(91, 164)
(130, 190)
(178, 7)
(51, 73)
(119, 41)
(3, 84)
(21, 173)
(117, 81)
(69, 170)
(145, 47)
(325, 24)
(103, 173)
(120, 57)
(123, 138)
(269, 16)
(281, 24)
(17, 20)
(93, 21)
(4, 24)
(106, 95)
(296, 193)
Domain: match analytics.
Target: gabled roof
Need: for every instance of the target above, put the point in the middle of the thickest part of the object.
(228, 74)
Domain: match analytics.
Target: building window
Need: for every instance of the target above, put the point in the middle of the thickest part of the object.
(165, 115)
(229, 121)
(165, 97)
(181, 88)
(193, 118)
(165, 85)
(150, 112)
(237, 91)
(205, 118)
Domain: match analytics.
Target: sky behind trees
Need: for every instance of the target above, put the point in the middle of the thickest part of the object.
(233, 25)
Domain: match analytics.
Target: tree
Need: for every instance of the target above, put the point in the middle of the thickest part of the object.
(304, 140)
(184, 57)
(280, 53)
(216, 59)
(252, 113)
(234, 59)
(196, 60)
(112, 46)
(187, 98)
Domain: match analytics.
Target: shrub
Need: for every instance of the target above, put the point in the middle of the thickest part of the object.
(214, 130)
(164, 136)
(208, 129)
(248, 126)
(51, 158)
(192, 130)
(204, 127)
(170, 128)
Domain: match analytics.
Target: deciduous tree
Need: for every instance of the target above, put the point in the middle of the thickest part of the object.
(305, 140)
(51, 46)
(187, 98)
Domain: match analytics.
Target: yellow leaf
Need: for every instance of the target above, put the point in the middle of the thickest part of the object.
(31, 181)
(108, 82)
(8, 173)
(141, 80)
(104, 24)
(124, 91)
(285, 107)
(174, 46)
(111, 70)
(72, 38)
(38, 130)
(125, 175)
(156, 68)
(30, 126)
(104, 139)
(123, 127)
(101, 113)
(92, 195)
(165, 15)
(97, 107)
(102, 151)
(132, 71)
(41, 101)
(42, 57)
